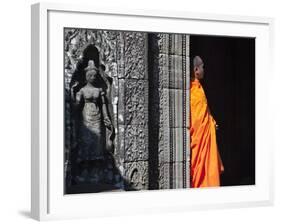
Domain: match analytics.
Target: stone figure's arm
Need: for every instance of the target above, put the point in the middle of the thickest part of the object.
(79, 97)
(76, 98)
(106, 118)
(72, 89)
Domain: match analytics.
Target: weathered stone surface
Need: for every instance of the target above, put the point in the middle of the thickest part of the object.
(172, 69)
(105, 41)
(163, 43)
(120, 55)
(115, 91)
(172, 76)
(135, 50)
(136, 102)
(163, 70)
(187, 49)
(178, 175)
(121, 101)
(164, 176)
(177, 44)
(119, 151)
(176, 145)
(174, 108)
(173, 44)
(133, 102)
(187, 72)
(176, 72)
(150, 108)
(136, 174)
(186, 168)
(136, 143)
(172, 175)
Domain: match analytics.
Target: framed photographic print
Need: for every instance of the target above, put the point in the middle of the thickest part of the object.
(148, 111)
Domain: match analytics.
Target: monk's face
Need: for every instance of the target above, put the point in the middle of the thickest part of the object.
(199, 70)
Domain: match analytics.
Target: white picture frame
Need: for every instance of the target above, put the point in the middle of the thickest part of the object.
(47, 198)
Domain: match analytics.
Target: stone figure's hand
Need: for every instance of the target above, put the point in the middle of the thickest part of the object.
(75, 84)
(107, 122)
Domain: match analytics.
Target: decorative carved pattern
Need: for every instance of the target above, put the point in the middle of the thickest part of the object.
(105, 42)
(163, 43)
(120, 54)
(170, 62)
(136, 174)
(136, 143)
(175, 144)
(133, 106)
(184, 111)
(135, 55)
(76, 40)
(119, 152)
(164, 174)
(171, 178)
(136, 102)
(163, 94)
(187, 171)
(171, 114)
(125, 56)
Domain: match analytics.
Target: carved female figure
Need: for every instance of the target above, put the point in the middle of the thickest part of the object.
(93, 118)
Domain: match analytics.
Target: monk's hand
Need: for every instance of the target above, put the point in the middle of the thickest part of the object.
(217, 127)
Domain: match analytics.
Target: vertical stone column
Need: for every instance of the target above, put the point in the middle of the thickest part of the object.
(170, 57)
(133, 108)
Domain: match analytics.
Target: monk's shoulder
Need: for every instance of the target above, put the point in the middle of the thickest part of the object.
(197, 94)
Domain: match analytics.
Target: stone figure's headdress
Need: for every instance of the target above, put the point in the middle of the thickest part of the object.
(90, 69)
(91, 66)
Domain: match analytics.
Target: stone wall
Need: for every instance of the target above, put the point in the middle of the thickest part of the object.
(133, 107)
(148, 102)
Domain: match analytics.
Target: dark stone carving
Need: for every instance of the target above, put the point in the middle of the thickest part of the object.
(120, 54)
(163, 43)
(91, 142)
(146, 82)
(169, 57)
(171, 175)
(136, 102)
(136, 143)
(135, 55)
(164, 176)
(132, 102)
(136, 174)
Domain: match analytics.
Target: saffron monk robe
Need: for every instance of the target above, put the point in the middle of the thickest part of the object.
(206, 164)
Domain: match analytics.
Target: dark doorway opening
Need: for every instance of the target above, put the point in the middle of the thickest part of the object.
(229, 84)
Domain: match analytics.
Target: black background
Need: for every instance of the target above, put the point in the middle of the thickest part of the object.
(229, 84)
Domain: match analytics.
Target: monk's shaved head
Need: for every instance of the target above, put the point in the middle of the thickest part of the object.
(197, 61)
(198, 68)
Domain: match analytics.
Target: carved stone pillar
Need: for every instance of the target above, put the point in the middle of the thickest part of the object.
(133, 108)
(169, 73)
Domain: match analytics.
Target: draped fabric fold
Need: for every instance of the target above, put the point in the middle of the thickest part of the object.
(206, 164)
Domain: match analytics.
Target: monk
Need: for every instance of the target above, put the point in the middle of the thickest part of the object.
(206, 164)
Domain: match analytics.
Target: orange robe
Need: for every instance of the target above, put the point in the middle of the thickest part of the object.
(206, 164)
